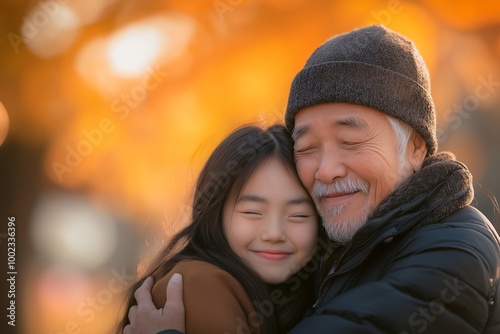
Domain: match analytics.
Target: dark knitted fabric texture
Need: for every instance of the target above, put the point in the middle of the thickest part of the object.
(372, 66)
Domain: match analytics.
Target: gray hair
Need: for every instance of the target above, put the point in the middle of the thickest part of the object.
(403, 132)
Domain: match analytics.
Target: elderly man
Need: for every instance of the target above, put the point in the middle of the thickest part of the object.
(412, 256)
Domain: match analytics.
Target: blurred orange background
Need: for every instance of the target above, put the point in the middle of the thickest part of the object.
(114, 105)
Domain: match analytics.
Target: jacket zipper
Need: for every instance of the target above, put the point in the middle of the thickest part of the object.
(334, 273)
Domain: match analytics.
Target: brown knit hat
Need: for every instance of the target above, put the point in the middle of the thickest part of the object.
(372, 66)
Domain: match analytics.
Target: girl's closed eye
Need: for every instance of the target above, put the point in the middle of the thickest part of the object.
(299, 217)
(251, 212)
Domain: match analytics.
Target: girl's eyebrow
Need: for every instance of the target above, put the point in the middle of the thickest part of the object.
(251, 198)
(258, 199)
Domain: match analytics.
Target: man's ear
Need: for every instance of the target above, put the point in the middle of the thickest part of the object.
(416, 150)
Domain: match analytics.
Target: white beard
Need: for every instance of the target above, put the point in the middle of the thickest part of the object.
(340, 230)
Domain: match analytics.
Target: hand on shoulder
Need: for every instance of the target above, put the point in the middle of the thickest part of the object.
(145, 318)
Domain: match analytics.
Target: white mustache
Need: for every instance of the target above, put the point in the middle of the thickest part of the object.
(338, 187)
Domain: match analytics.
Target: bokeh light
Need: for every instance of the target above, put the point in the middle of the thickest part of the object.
(50, 28)
(67, 230)
(136, 48)
(4, 123)
(59, 285)
(132, 51)
(122, 59)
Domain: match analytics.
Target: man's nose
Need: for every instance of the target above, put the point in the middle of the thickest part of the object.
(330, 167)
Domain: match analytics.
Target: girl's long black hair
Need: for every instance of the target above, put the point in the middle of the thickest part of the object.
(226, 172)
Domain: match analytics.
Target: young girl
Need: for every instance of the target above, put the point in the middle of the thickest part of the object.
(253, 227)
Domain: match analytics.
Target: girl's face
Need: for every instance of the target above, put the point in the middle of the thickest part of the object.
(272, 224)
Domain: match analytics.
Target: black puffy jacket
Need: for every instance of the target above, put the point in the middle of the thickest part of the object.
(441, 278)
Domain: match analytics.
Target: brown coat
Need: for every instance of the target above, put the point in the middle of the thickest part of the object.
(215, 302)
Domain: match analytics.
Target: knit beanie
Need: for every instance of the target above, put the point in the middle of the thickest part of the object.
(371, 66)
